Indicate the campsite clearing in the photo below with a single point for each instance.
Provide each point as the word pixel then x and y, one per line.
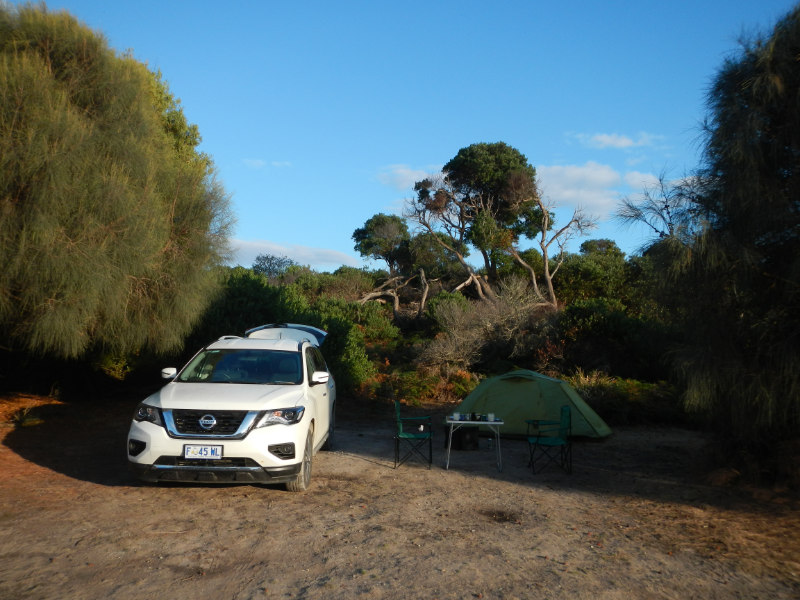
pixel 637 519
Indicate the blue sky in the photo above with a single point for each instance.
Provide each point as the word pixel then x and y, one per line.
pixel 319 115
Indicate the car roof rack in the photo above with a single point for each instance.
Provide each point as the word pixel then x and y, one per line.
pixel 288 330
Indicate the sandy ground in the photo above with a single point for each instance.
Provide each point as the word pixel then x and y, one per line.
pixel 636 519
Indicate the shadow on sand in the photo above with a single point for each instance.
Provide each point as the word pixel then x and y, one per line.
pixel 86 440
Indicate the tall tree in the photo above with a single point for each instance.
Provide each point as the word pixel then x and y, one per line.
pixel 495 185
pixel 409 258
pixel 272 266
pixel 669 209
pixel 741 270
pixel 598 271
pixel 112 221
pixel 429 254
pixel 384 237
pixel 487 196
pixel 447 221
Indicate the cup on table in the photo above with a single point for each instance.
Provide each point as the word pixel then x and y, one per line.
pixel 456 416
pixel 491 417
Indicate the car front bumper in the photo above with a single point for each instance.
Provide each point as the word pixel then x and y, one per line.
pixel 154 456
pixel 208 473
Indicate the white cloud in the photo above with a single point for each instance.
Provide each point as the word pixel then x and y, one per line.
pixel 319 259
pixel 596 188
pixel 258 163
pixel 616 141
pixel 592 186
pixel 640 181
pixel 403 177
pixel 610 140
pixel 254 163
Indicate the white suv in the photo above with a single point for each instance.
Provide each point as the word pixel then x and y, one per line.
pixel 244 409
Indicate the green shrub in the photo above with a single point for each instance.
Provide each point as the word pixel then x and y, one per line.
pixel 415 389
pixel 249 300
pixel 600 335
pixel 344 350
pixel 348 283
pixel 424 387
pixel 444 298
pixel 462 383
pixel 628 401
pixel 372 318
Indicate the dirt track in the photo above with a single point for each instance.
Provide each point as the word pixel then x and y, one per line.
pixel 635 520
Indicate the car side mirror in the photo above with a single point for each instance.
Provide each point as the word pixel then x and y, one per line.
pixel 169 373
pixel 320 377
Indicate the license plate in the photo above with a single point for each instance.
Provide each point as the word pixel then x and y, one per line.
pixel 206 452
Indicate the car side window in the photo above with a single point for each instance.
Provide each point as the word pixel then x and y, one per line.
pixel 320 360
pixel 311 365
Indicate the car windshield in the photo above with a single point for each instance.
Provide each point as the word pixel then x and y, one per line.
pixel 243 366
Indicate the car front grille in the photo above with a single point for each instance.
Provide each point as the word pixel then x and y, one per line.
pixel 227 421
pixel 179 461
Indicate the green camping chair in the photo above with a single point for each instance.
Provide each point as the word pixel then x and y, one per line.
pixel 549 441
pixel 413 433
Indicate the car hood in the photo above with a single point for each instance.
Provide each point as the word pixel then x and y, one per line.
pixel 225 396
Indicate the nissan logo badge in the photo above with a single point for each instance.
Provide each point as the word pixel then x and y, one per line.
pixel 207 421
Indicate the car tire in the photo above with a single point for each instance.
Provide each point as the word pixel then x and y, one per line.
pixel 329 443
pixel 303 479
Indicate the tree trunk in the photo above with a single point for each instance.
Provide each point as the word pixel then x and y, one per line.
pixel 531 272
pixel 482 288
pixel 425 289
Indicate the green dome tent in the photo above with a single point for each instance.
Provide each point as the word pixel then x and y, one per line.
pixel 520 395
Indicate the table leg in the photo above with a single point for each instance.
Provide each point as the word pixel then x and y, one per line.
pixel 449 444
pixel 497 443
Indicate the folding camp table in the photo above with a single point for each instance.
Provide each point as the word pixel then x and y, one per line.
pixel 494 427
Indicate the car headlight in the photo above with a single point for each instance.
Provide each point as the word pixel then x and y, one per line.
pixel 145 412
pixel 282 416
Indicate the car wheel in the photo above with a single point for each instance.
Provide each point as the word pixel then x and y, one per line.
pixel 303 479
pixel 328 445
